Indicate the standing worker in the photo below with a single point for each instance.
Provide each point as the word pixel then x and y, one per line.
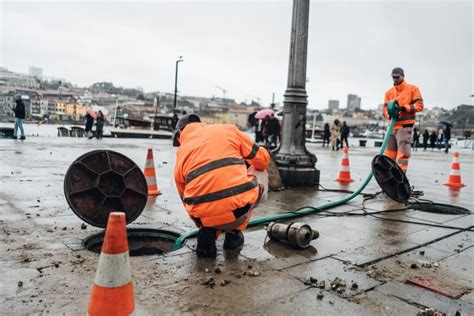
pixel 20 114
pixel 410 102
pixel 217 190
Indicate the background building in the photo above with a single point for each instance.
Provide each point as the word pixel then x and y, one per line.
pixel 333 105
pixel 353 102
pixel 16 79
pixel 35 72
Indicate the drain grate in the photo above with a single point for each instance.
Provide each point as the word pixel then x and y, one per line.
pixel 141 241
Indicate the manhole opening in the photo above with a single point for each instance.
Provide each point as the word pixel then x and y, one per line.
pixel 141 241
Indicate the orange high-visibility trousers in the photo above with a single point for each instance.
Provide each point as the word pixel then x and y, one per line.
pixel 399 146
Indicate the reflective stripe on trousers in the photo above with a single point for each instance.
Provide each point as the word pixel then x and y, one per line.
pixel 399 146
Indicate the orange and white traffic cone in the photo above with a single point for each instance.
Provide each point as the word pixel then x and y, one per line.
pixel 150 174
pixel 112 293
pixel 455 174
pixel 345 173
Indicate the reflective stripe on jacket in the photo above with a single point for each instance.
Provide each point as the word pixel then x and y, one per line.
pixel 211 174
pixel 408 97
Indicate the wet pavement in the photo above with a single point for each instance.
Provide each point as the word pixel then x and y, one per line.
pixel 46 270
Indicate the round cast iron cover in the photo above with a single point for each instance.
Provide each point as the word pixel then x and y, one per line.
pixel 104 181
pixel 391 178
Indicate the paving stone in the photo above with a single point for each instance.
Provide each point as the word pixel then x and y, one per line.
pixel 306 303
pixel 383 304
pixel 426 298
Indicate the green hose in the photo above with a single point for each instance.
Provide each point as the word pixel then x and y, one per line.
pixel 392 110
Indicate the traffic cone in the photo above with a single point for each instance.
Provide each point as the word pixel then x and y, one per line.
pixel 112 293
pixel 150 174
pixel 345 173
pixel 455 174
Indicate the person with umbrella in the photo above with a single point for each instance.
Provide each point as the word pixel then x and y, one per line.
pixel 263 126
pixel 90 117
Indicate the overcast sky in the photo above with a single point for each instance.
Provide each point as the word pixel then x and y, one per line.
pixel 244 46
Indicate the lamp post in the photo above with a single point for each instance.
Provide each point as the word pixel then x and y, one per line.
pixel 176 81
pixel 296 164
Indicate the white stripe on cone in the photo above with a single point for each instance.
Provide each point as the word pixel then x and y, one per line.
pixel 151 180
pixel 455 172
pixel 113 270
pixel 345 168
pixel 149 163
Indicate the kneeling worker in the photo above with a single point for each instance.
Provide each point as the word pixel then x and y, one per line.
pixel 211 175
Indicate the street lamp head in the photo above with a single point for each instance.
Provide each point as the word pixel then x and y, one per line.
pixel 180 59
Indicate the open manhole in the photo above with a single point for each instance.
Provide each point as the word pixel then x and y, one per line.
pixel 141 241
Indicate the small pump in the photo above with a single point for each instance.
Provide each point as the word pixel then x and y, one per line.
pixel 298 235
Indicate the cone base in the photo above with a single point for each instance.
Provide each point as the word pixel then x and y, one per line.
pixel 455 185
pixel 344 180
pixel 154 192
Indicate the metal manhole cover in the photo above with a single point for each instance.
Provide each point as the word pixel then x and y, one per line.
pixel 391 178
pixel 104 181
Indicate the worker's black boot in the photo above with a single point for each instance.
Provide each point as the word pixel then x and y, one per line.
pixel 233 239
pixel 206 243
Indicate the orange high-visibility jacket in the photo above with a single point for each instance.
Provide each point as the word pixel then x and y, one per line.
pixel 210 172
pixel 409 97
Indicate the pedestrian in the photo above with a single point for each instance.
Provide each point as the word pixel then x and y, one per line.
pixel 20 114
pixel 426 137
pixel 266 130
pixel 433 139
pixel 335 134
pixel 259 131
pixel 447 137
pixel 217 190
pixel 100 125
pixel 326 135
pixel 274 130
pixel 174 120
pixel 416 138
pixel 410 102
pixel 344 134
pixel 440 138
pixel 89 124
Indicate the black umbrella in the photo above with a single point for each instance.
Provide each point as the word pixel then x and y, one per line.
pixel 447 124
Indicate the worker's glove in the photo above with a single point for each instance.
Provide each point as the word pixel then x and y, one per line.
pixel 393 109
pixel 403 109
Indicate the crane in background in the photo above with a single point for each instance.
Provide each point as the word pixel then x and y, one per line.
pixel 224 91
